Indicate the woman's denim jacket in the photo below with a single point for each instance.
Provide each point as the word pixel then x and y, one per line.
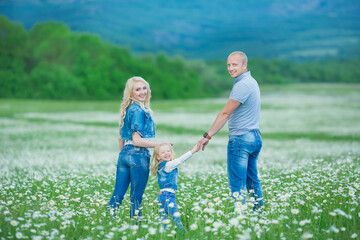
pixel 167 180
pixel 137 120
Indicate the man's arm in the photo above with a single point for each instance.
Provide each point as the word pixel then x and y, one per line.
pixel 220 121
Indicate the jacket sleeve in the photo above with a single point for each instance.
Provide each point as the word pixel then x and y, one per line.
pixel 171 165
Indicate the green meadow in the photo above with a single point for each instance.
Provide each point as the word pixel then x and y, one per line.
pixel 58 162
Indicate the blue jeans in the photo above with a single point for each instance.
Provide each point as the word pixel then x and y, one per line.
pixel 243 152
pixel 133 169
pixel 167 199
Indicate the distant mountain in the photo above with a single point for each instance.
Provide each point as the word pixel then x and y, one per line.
pixel 286 29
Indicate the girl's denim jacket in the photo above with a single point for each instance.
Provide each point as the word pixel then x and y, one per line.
pixel 137 120
pixel 167 180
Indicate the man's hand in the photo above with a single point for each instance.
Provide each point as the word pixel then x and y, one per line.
pixel 202 143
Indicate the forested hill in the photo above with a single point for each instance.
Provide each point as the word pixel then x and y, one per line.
pixel 203 29
pixel 51 62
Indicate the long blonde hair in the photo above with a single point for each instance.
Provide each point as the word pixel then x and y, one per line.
pixel 154 165
pixel 127 98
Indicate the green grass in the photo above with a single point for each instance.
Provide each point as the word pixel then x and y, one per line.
pixel 57 170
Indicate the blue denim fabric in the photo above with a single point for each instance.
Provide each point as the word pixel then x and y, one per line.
pixel 167 180
pixel 137 120
pixel 165 198
pixel 133 169
pixel 243 152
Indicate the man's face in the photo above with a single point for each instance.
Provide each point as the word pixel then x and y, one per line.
pixel 236 66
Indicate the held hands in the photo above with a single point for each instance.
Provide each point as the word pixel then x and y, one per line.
pixel 202 143
pixel 195 149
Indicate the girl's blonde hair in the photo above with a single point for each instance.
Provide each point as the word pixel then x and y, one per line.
pixel 154 165
pixel 127 98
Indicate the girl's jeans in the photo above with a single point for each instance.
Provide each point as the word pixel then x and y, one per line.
pixel 168 207
pixel 133 169
pixel 243 152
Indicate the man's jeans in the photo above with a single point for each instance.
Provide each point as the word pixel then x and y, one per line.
pixel 243 152
pixel 133 169
pixel 168 207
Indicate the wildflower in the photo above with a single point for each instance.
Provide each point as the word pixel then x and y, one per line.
pixel 193 226
pixel 207 229
pixel 135 227
pixel 295 211
pixel 177 214
pixel 238 210
pixel 19 235
pixel 234 221
pixel 14 223
pixel 352 193
pixel 306 235
pixel 171 205
pixel 334 229
pixel 86 228
pixel 196 208
pixel 354 235
pixel 303 222
pixel 152 231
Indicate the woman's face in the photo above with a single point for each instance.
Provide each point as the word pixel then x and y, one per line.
pixel 139 91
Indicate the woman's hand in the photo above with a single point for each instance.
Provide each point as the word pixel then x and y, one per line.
pixel 121 143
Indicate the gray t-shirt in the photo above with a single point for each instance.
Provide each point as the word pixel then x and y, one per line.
pixel 247 116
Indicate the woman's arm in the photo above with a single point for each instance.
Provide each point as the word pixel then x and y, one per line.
pixel 138 141
pixel 121 143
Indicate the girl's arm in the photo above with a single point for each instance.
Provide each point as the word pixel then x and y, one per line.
pixel 171 165
pixel 121 143
pixel 138 141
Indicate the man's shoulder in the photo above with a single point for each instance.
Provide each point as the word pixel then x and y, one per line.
pixel 248 81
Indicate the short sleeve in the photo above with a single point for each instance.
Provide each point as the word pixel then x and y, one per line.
pixel 240 92
pixel 138 122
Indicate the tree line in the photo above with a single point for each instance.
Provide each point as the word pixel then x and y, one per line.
pixel 51 62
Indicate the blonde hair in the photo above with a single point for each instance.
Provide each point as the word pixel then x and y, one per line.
pixel 154 165
pixel 127 98
pixel 241 54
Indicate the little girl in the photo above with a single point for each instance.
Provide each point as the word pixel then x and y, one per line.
pixel 165 166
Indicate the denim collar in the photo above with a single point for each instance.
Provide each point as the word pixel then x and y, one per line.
pixel 241 76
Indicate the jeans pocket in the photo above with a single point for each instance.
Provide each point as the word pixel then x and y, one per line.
pixel 230 146
pixel 137 159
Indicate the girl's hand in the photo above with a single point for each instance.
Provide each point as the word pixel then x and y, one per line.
pixel 195 149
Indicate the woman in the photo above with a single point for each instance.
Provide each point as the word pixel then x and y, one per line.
pixel 137 127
